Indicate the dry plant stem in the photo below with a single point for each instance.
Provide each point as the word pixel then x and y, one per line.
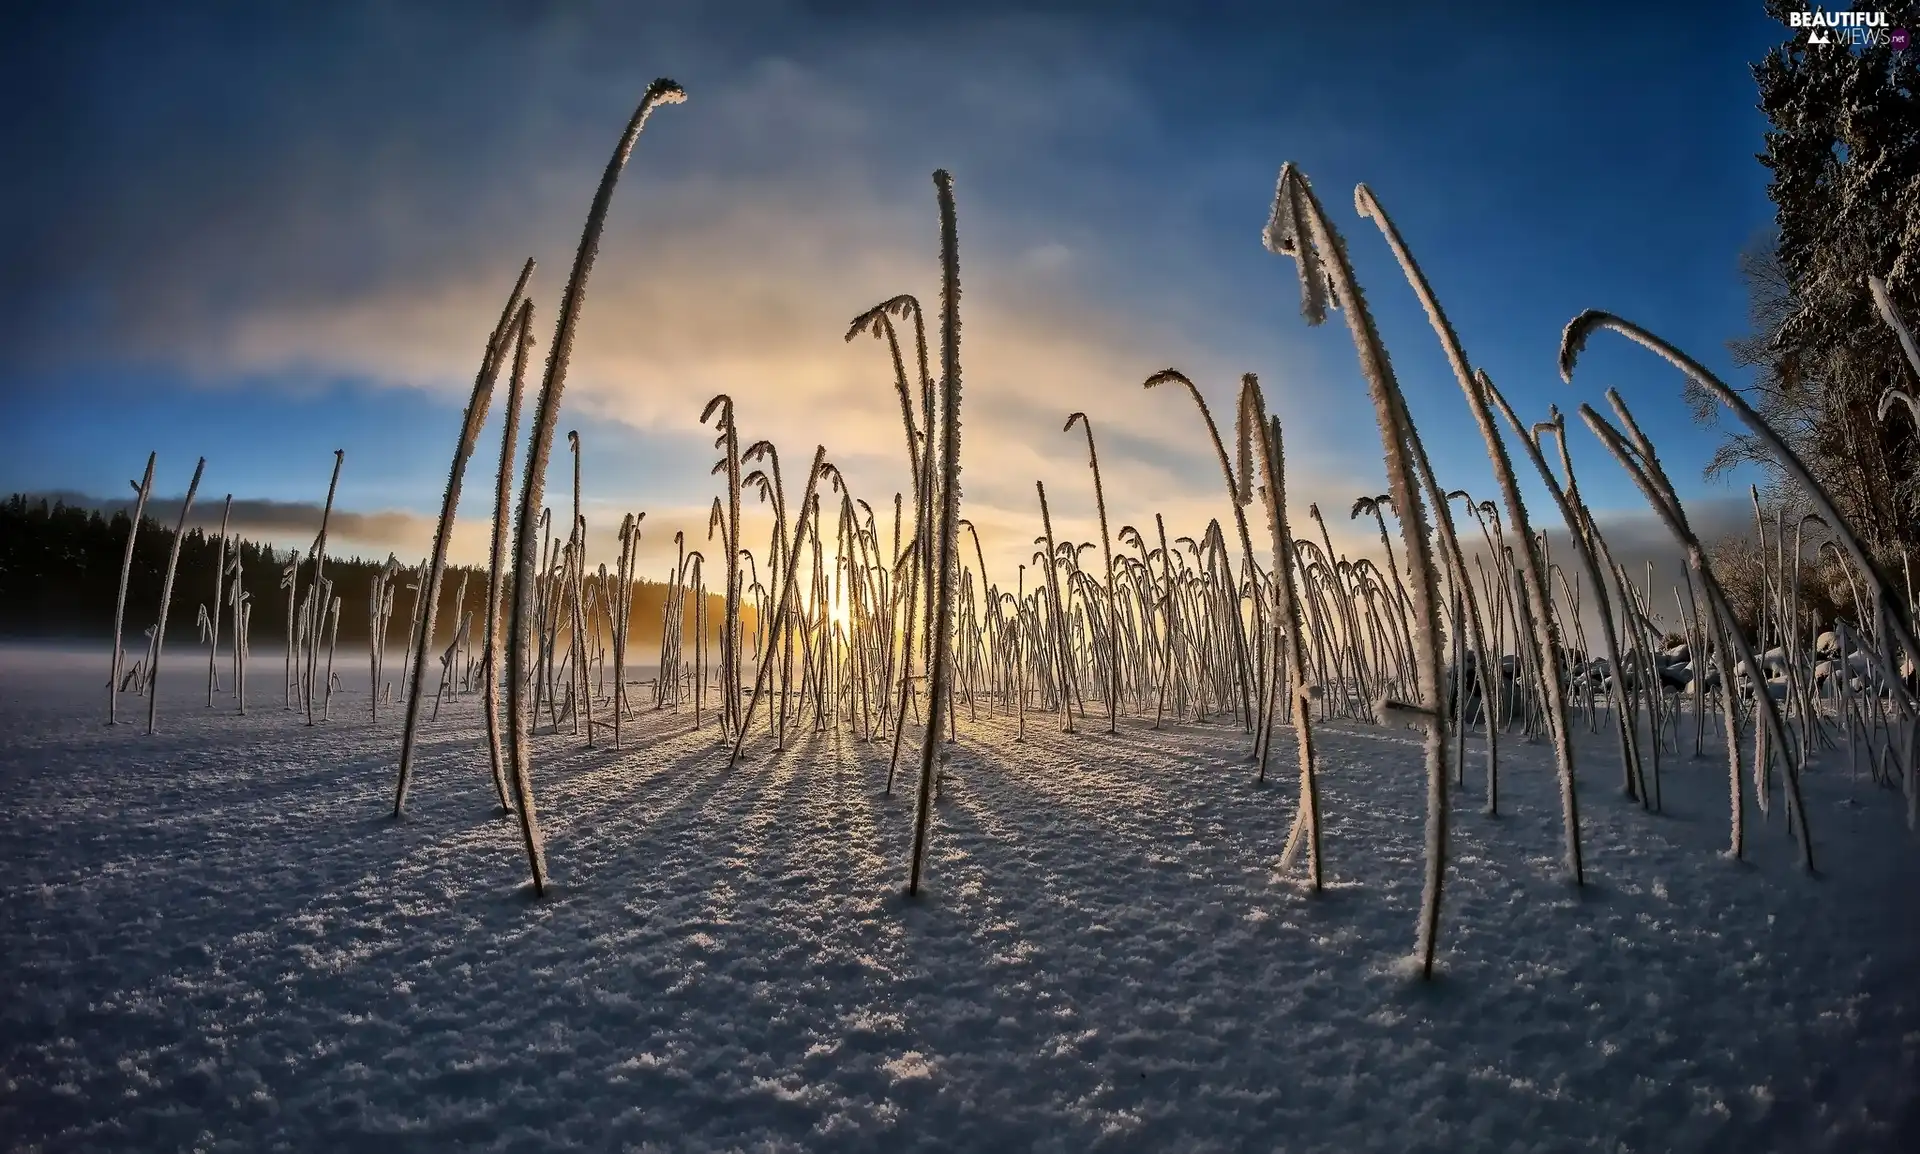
pixel 476 416
pixel 145 489
pixel 1546 652
pixel 1106 547
pixel 941 620
pixel 497 550
pixel 781 619
pixel 166 597
pixel 1899 617
pixel 1173 376
pixel 1644 468
pixel 546 416
pixel 333 639
pixel 1059 618
pixel 1583 548
pixel 1286 612
pixel 1298 228
pixel 319 573
pixel 219 587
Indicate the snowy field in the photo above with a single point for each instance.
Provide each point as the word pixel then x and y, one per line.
pixel 215 939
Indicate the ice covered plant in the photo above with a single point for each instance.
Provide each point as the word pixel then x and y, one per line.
pixel 237 597
pixel 166 598
pixel 476 416
pixel 720 410
pixel 1884 302
pixel 940 621
pixel 1546 653
pixel 1106 548
pixel 1288 640
pixel 522 337
pixel 622 609
pixel 1582 327
pixel 1173 376
pixel 782 616
pixel 333 638
pixel 1055 636
pixel 145 489
pixel 1638 459
pixel 212 618
pixel 532 490
pixel 316 602
pixel 1298 228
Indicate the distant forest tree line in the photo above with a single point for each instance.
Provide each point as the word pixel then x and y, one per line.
pixel 60 573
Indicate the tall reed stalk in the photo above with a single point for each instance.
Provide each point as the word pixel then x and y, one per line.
pixel 166 598
pixel 145 489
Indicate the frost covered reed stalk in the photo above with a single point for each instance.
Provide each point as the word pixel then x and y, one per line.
pixel 166 598
pixel 1587 544
pixel 577 580
pixel 546 417
pixel 522 337
pixel 1106 550
pixel 1288 641
pixel 1573 341
pixel 782 610
pixel 1644 468
pixel 333 639
pixel 1246 677
pixel 317 606
pixel 1298 228
pixel 940 621
pixel 1057 637
pixel 145 489
pixel 238 597
pixel 1546 654
pixel 213 618
pixel 475 416
pixel 728 442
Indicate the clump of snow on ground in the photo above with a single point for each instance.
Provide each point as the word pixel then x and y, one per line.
pixel 216 939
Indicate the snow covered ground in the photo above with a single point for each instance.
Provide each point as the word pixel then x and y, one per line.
pixel 215 939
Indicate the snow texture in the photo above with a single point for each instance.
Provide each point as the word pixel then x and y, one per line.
pixel 216 939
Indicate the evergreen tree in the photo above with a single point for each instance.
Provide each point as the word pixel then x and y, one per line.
pixel 1843 151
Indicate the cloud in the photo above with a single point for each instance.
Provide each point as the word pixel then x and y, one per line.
pixel 281 247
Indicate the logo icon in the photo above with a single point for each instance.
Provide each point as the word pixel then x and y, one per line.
pixel 1898 39
pixel 1819 36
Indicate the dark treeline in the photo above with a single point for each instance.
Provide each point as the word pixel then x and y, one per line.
pixel 60 572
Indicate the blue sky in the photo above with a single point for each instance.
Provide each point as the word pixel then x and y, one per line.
pixel 261 236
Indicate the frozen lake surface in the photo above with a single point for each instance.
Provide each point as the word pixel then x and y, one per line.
pixel 216 939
